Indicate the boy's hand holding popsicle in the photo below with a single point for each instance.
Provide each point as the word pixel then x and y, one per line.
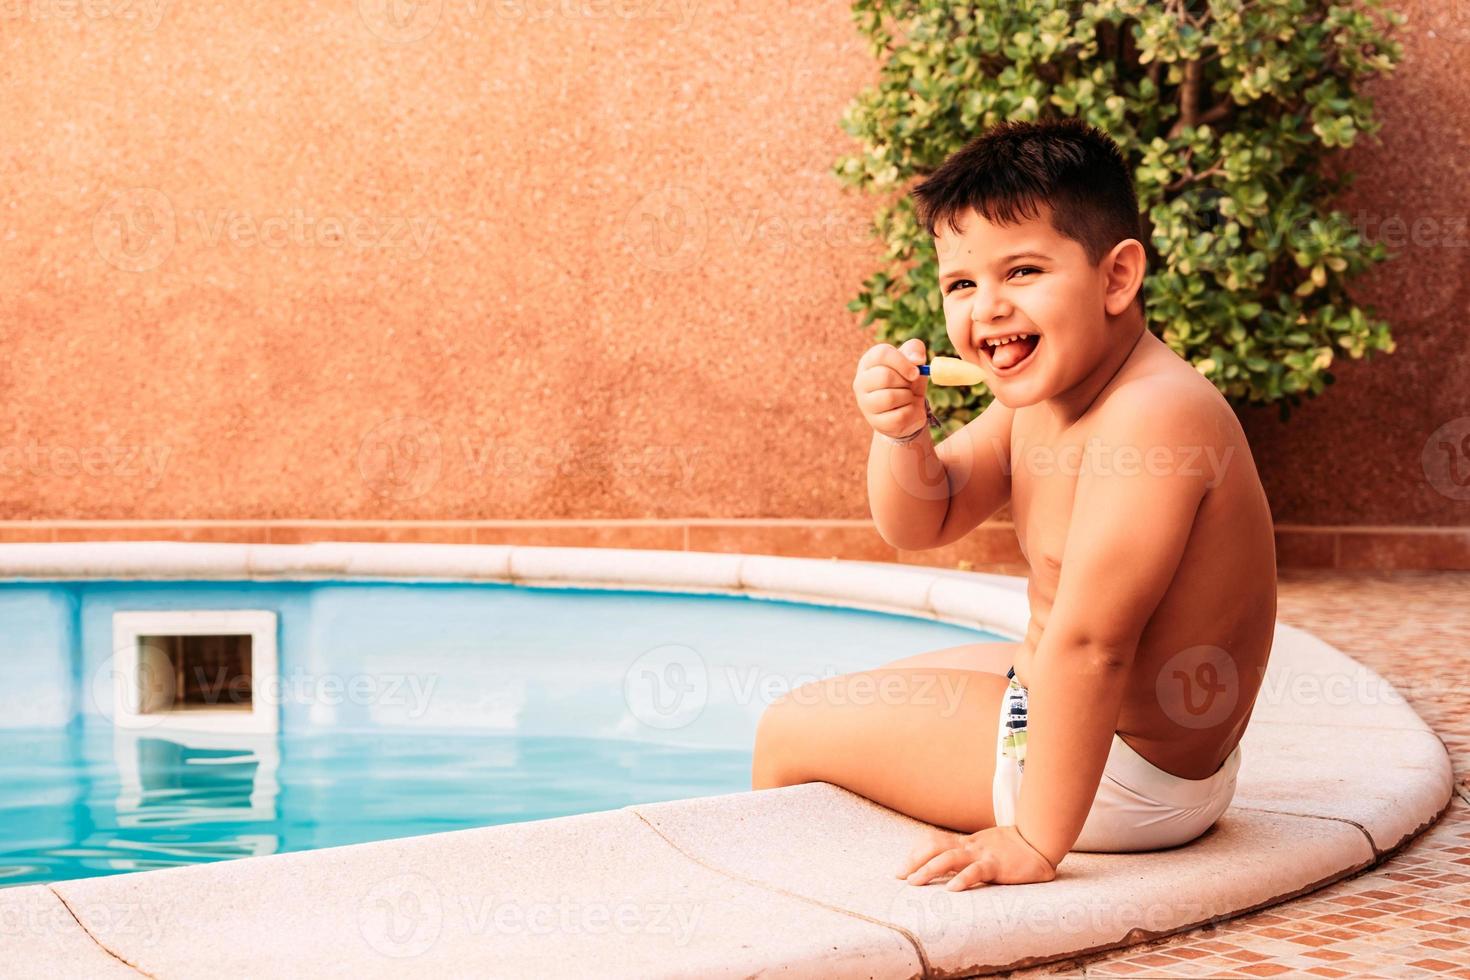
pixel 891 383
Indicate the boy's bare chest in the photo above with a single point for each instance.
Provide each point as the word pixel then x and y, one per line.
pixel 1043 486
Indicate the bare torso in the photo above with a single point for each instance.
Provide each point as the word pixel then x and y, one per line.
pixel 1183 710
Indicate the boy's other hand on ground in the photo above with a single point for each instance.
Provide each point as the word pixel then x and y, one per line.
pixel 996 855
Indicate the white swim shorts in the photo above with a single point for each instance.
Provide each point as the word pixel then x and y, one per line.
pixel 1138 806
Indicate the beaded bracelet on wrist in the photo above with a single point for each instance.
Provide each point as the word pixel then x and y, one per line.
pixel 929 421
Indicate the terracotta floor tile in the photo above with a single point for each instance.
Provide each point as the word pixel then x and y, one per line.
pixel 1326 971
pixel 1440 928
pixel 1444 944
pixel 1312 940
pixel 1327 954
pixel 1336 918
pixel 1367 913
pixel 1378 894
pixel 1189 952
pixel 1438 966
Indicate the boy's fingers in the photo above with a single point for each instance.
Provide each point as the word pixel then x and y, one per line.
pixel 883 376
pixel 967 877
pixel 934 843
pixel 921 852
pixel 886 355
pixel 913 349
pixel 951 860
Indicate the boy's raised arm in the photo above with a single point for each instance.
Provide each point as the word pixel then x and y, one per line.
pixel 922 496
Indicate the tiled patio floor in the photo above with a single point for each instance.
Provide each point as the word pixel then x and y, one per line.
pixel 1410 916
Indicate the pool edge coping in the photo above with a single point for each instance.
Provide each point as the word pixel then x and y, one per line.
pixel 995 603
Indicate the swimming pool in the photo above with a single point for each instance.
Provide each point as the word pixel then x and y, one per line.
pixel 404 709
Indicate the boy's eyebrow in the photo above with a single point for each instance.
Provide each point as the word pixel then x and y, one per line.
pixel 1001 261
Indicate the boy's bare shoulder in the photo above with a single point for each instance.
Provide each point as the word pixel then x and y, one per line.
pixel 1167 399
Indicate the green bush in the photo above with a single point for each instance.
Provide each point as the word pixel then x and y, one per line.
pixel 1229 112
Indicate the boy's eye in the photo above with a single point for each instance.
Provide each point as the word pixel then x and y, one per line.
pixel 958 282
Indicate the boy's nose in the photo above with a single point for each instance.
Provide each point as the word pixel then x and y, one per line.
pixel 988 306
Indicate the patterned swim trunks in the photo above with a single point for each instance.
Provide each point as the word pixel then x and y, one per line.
pixel 1010 751
pixel 1137 806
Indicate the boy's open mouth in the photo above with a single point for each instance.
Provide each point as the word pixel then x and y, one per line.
pixel 1007 353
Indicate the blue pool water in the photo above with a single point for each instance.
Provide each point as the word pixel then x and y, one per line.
pixel 404 709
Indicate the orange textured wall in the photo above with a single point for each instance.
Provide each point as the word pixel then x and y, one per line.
pixel 474 259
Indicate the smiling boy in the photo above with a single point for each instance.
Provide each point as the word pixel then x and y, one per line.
pixel 1114 724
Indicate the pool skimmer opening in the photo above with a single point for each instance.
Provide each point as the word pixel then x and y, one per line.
pixel 195 670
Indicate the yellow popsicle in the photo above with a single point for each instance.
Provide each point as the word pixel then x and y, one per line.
pixel 952 371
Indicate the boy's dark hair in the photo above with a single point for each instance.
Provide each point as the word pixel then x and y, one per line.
pixel 1011 168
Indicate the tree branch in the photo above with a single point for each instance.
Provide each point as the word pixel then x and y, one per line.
pixel 1190 177
pixel 1216 112
pixel 1194 74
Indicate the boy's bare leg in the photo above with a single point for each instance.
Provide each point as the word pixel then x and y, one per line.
pixel 919 740
pixel 994 658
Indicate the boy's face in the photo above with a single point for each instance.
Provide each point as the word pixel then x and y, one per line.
pixel 1026 278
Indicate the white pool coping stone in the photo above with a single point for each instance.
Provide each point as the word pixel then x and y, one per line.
pixel 1336 772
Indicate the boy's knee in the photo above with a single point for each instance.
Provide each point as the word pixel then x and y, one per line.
pixel 773 762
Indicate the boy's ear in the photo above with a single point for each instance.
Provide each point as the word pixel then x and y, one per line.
pixel 1124 268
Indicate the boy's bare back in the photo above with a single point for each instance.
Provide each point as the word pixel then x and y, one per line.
pixel 1200 658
